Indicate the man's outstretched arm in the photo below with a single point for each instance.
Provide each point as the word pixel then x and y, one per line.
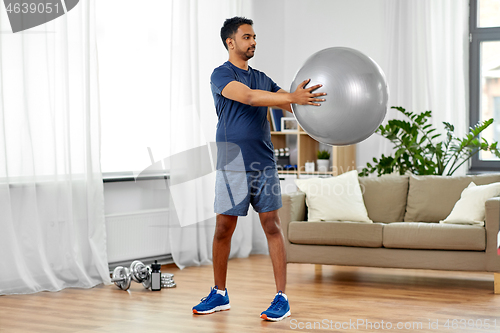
pixel 239 92
pixel 287 106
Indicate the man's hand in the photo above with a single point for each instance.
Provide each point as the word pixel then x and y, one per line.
pixel 305 96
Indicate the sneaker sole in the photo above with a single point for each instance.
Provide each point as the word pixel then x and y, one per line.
pixel 265 317
pixel 216 309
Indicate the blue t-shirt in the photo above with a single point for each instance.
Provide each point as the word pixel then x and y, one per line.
pixel 241 124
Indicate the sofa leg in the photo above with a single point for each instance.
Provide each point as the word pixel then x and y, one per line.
pixel 497 283
pixel 318 269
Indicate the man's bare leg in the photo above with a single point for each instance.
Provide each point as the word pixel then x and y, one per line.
pixel 224 228
pixel 271 224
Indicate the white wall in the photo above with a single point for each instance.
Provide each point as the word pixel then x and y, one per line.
pixel 131 196
pixel 289 31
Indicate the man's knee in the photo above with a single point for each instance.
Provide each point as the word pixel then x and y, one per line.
pixel 225 226
pixel 271 225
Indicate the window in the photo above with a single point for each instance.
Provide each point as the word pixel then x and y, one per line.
pixel 485 75
pixel 134 58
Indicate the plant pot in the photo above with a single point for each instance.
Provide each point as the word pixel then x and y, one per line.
pixel 323 165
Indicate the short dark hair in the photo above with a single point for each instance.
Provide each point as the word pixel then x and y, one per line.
pixel 230 27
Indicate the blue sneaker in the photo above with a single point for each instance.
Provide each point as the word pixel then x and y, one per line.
pixel 212 303
pixel 278 310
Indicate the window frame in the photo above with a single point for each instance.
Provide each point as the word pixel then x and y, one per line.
pixel 476 36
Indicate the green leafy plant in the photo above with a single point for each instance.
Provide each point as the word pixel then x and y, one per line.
pixel 323 155
pixel 418 149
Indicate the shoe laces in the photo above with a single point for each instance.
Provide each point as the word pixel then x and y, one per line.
pixel 277 302
pixel 213 292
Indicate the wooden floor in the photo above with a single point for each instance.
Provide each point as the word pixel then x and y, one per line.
pixel 332 296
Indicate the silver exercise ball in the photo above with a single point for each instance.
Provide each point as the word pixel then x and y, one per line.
pixel 356 100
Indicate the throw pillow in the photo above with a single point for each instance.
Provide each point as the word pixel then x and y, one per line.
pixel 334 199
pixel 469 209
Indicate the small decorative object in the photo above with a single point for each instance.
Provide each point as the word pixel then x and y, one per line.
pixel 289 124
pixel 156 276
pixel 323 160
pixel 309 166
pixel 283 157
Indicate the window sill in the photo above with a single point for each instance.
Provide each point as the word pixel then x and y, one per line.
pixel 113 177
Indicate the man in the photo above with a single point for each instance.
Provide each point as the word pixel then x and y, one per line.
pixel 242 95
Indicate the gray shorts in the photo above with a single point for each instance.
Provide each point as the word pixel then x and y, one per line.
pixel 236 190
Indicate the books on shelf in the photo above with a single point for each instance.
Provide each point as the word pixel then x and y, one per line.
pixel 276 115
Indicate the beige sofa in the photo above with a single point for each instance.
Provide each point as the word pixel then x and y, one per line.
pixel 405 233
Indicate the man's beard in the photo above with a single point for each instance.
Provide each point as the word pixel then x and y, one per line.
pixel 249 54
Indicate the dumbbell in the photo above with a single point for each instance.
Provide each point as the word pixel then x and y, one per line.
pixel 139 271
pixel 122 277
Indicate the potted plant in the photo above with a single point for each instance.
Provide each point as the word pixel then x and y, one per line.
pixel 419 151
pixel 323 160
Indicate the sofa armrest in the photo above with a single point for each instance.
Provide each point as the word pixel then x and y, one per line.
pixel 492 224
pixel 294 209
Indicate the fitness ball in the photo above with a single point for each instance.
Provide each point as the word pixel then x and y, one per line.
pixel 356 100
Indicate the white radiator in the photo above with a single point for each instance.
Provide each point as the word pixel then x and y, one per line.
pixel 137 235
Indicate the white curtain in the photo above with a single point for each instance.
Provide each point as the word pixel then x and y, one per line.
pixel 52 230
pixel 427 63
pixel 196 51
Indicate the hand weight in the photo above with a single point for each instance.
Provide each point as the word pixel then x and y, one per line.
pixel 122 277
pixel 140 273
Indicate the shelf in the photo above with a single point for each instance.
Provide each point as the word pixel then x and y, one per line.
pixel 284 133
pixel 288 132
pixel 302 173
pixel 317 173
pixel 287 172
pixel 343 158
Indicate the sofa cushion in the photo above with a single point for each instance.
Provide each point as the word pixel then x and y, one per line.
pixel 334 199
pixel 431 198
pixel 336 233
pixel 434 236
pixel 385 197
